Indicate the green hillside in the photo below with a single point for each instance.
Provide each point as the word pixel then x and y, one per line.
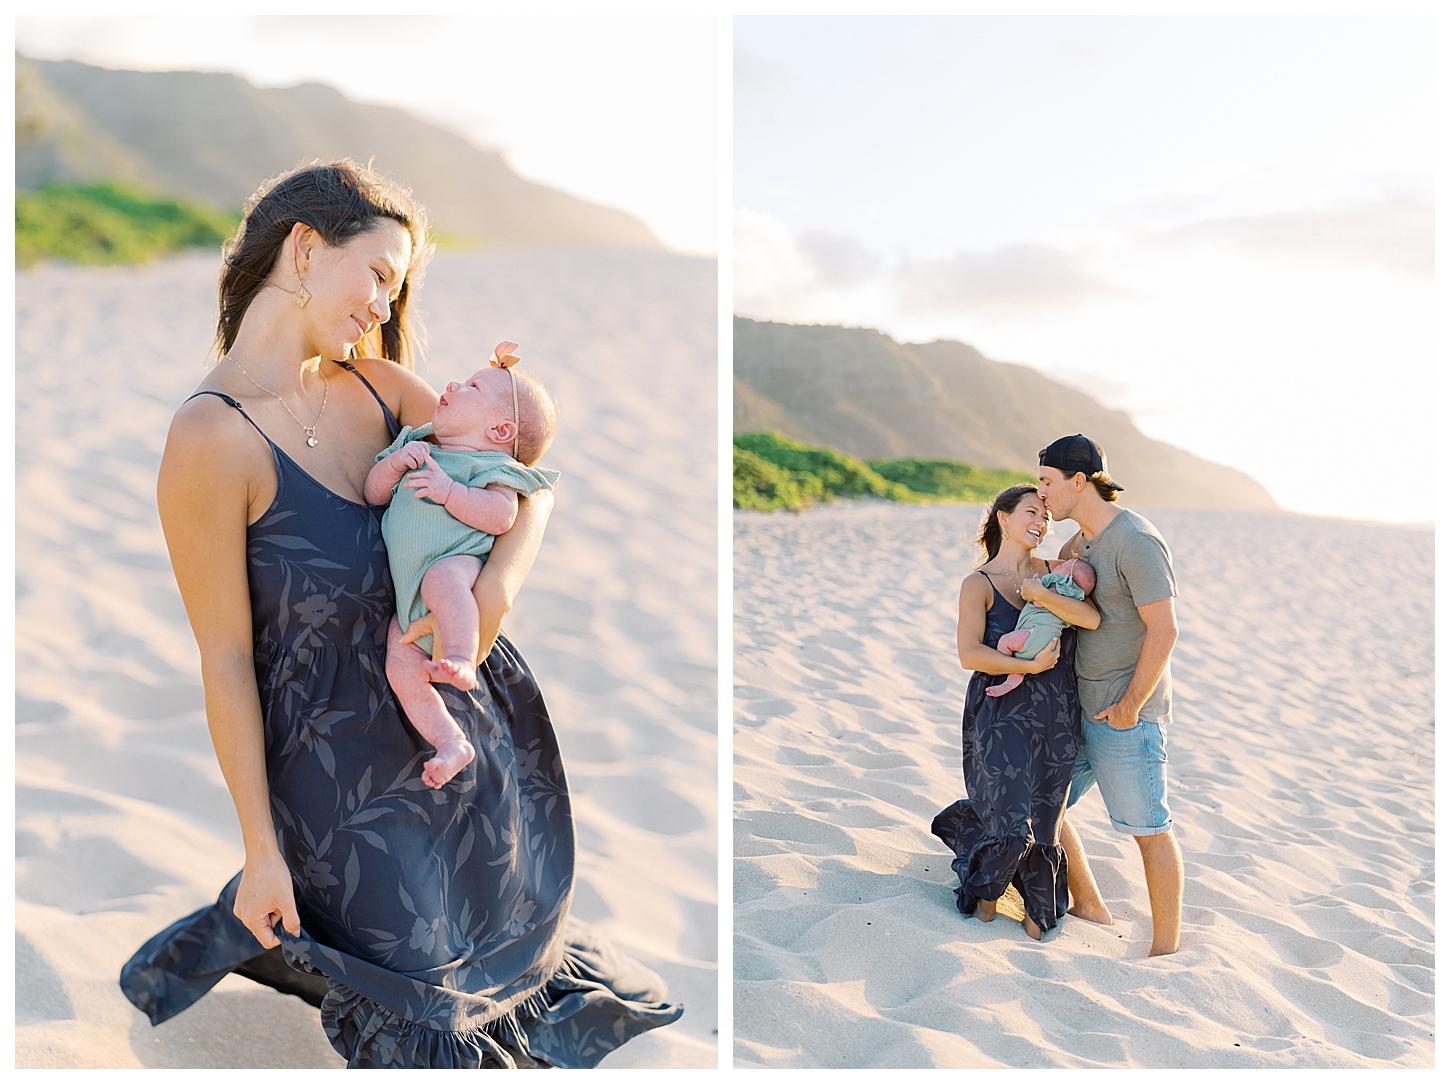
pixel 110 224
pixel 774 472
pixel 948 480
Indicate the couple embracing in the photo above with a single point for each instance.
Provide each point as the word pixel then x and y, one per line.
pixel 1084 641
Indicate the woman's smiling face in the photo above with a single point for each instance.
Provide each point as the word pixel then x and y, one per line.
pixel 353 286
pixel 1027 523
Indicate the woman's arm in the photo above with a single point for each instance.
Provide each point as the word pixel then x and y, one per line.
pixel 1074 611
pixel 204 496
pixel 972 606
pixel 508 566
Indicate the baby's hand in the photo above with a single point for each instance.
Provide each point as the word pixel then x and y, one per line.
pixel 1031 589
pixel 410 456
pixel 431 481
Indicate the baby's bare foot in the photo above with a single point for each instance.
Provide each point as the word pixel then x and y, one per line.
pixel 460 673
pixel 450 759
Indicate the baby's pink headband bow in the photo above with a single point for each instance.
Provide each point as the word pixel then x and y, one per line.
pixel 505 358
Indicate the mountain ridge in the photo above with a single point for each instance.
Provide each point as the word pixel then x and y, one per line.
pixel 861 391
pixel 214 137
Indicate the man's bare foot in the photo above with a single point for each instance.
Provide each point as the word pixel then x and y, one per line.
pixel 1098 914
pixel 1034 931
pixel 460 673
pixel 986 910
pixel 451 759
pixel 1165 950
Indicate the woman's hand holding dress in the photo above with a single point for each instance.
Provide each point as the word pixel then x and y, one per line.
pixel 265 897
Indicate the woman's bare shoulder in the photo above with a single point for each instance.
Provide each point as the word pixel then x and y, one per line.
pixel 207 431
pixel 976 586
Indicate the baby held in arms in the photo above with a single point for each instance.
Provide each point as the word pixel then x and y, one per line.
pixel 1038 626
pixel 487 433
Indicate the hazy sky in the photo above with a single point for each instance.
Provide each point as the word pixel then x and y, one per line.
pixel 616 106
pixel 1222 224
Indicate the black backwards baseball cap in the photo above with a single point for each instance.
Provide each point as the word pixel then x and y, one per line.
pixel 1076 453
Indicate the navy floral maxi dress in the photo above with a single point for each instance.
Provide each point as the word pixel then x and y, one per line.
pixel 1017 756
pixel 435 924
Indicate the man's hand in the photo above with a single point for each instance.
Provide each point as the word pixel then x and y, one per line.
pixel 1119 716
pixel 431 481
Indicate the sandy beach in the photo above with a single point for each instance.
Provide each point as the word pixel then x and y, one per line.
pixel 124 823
pixel 1301 781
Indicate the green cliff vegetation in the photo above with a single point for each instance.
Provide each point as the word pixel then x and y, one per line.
pixel 774 472
pixel 110 224
pixel 948 480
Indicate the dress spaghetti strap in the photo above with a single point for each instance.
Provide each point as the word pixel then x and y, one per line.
pixel 393 427
pixel 232 402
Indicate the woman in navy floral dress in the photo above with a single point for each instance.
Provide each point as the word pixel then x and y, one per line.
pixel 1017 749
pixel 432 927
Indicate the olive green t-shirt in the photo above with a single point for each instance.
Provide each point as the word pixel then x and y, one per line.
pixel 1134 568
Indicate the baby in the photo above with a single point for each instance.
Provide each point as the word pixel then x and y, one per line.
pixel 489 431
pixel 1037 625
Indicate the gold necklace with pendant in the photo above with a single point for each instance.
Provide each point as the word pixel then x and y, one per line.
pixel 310 430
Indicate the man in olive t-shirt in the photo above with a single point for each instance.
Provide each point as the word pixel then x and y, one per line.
pixel 1124 685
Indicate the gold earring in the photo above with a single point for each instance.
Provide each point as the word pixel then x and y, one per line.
pixel 301 296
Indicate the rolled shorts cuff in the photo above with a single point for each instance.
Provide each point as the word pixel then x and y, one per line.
pixel 1130 769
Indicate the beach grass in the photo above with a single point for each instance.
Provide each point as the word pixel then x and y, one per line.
pixel 774 472
pixel 948 480
pixel 111 224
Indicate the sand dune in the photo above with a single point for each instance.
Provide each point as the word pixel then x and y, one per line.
pixel 123 821
pixel 1301 781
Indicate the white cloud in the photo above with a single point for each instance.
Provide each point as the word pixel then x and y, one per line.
pixel 838 261
pixel 772 276
pixel 806 276
pixel 1012 280
pixel 1395 234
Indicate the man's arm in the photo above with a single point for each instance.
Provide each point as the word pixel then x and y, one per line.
pixel 1074 611
pixel 1153 656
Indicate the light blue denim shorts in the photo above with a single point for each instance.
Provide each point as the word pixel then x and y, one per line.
pixel 1130 767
